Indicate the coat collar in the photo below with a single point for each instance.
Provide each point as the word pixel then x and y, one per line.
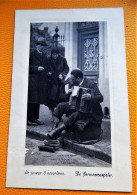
pixel 84 83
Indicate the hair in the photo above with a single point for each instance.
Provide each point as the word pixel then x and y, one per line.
pixel 38 43
pixel 77 73
pixel 55 50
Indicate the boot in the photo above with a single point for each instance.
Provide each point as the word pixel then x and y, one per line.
pixel 54 132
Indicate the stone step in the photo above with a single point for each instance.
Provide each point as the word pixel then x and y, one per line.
pixel 100 150
pixel 90 150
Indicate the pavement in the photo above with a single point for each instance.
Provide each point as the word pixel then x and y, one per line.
pixel 61 157
pixel 100 150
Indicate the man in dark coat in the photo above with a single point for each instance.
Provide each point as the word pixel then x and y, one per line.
pixel 57 72
pixel 80 122
pixel 37 89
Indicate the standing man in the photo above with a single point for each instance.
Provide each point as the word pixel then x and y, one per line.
pixel 37 89
pixel 57 72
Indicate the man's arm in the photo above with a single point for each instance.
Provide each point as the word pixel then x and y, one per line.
pixel 95 96
pixel 33 68
pixel 98 98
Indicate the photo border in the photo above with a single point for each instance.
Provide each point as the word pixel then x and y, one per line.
pixel 120 132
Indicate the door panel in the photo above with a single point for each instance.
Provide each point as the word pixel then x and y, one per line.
pixel 88 50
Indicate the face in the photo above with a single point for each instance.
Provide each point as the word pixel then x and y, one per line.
pixel 74 81
pixel 55 56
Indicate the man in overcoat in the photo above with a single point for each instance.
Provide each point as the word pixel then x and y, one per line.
pixel 37 89
pixel 57 72
pixel 82 125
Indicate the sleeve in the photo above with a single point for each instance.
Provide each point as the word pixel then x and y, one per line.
pixel 51 74
pixel 97 98
pixel 32 67
pixel 66 68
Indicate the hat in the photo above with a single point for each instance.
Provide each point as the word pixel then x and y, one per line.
pixel 41 41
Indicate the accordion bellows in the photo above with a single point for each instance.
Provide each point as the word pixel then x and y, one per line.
pixel 76 101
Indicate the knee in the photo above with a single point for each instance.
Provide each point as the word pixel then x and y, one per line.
pixel 76 115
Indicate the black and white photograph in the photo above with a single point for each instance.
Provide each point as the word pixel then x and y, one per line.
pixel 68 113
pixel 69 117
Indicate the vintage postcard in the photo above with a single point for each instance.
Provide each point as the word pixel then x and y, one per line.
pixel 69 120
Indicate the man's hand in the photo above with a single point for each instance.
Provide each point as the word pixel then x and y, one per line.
pixel 70 91
pixel 60 77
pixel 40 68
pixel 86 97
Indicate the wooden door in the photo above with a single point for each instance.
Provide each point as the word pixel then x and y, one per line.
pixel 88 49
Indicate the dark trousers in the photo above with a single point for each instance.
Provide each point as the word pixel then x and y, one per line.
pixel 73 115
pixel 76 123
pixel 33 111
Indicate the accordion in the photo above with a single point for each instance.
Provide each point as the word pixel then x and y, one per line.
pixel 76 101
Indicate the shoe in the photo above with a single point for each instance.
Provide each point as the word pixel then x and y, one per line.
pixel 38 122
pixel 47 137
pixel 53 134
pixel 46 148
pixel 31 123
pixel 46 142
pixel 56 131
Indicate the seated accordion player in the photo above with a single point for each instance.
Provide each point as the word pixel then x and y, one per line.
pixel 76 102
